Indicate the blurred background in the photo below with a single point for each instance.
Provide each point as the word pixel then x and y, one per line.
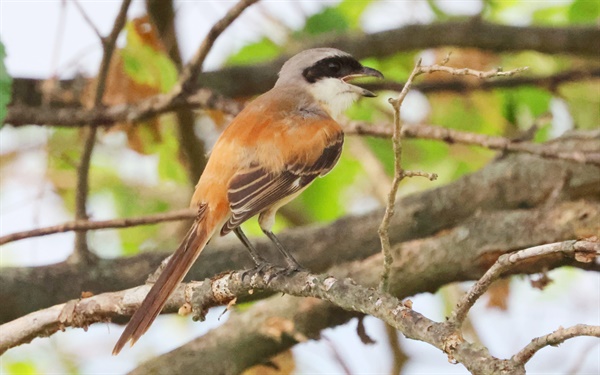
pixel 138 170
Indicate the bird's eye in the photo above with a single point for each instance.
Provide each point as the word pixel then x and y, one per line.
pixel 334 66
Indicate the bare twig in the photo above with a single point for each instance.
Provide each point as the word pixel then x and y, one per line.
pixel 399 172
pixel 552 339
pixel 550 82
pixel 82 225
pixel 81 251
pixel 451 136
pixel 584 250
pixel 88 20
pixel 497 72
pixel 189 75
pixel 398 176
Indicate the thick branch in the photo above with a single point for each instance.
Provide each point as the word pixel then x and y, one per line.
pixel 247 81
pixel 19 115
pixel 419 265
pixel 502 185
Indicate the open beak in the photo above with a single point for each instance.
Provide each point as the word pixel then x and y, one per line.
pixel 365 72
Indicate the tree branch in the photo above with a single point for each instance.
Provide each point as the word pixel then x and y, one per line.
pixel 553 339
pixel 191 148
pixel 399 172
pixel 589 155
pixel 82 225
pixel 420 265
pixel 246 81
pixel 550 82
pixel 221 290
pixel 585 250
pixel 81 252
pixel 502 185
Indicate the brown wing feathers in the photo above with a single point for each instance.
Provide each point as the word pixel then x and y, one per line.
pixel 175 270
pixel 255 189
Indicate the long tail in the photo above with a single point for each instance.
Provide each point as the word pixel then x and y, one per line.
pixel 176 269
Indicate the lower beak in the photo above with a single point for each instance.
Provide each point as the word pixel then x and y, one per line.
pixel 365 72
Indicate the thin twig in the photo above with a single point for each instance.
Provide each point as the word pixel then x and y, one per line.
pixel 383 230
pixel 552 339
pixel 399 172
pixel 497 72
pixel 88 20
pixel 189 75
pixel 81 251
pixel 550 82
pixel 83 225
pixel 584 250
pixel 450 136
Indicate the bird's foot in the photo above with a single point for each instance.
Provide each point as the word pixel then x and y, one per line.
pixel 261 269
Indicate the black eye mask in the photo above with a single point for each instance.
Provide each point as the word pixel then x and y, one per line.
pixel 332 67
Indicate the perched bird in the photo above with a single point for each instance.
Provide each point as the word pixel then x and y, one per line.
pixel 267 156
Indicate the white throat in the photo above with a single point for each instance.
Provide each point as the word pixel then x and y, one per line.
pixel 334 95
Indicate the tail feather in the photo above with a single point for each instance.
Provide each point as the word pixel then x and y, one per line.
pixel 173 273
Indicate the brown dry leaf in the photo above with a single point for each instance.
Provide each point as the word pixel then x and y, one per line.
pixel 86 294
pixel 148 33
pixel 542 282
pixel 122 89
pixel 585 257
pixel 498 293
pixel 281 364
pixel 220 118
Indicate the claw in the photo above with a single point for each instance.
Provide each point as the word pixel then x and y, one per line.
pixel 259 269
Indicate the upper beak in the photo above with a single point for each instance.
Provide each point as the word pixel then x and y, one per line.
pixel 365 72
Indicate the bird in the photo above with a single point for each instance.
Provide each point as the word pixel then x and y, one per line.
pixel 270 152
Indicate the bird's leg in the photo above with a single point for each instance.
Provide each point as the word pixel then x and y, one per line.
pixel 259 261
pixel 293 265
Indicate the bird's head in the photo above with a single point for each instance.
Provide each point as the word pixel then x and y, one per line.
pixel 326 74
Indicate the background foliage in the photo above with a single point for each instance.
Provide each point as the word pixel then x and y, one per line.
pixel 138 169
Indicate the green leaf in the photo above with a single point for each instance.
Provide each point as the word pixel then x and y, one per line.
pixel 353 10
pixel 5 86
pixel 556 15
pixel 169 166
pixel 396 67
pixel 329 20
pixel 584 103
pixel 21 368
pixel 145 65
pixel 383 150
pixel 323 200
pixel 439 13
pixel 523 105
pixel 584 12
pixel 263 50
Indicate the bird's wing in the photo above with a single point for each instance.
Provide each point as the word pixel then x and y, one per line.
pixel 255 189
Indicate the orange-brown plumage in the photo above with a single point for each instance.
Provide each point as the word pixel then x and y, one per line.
pixel 268 155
